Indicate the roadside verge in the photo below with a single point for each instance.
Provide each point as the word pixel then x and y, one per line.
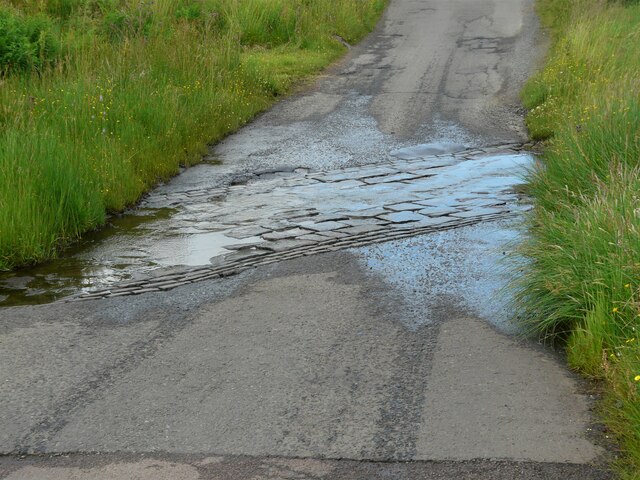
pixel 582 274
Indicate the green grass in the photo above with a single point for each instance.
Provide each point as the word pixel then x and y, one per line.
pixel 102 99
pixel 581 283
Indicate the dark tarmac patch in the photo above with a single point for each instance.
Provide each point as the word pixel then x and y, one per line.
pixel 199 467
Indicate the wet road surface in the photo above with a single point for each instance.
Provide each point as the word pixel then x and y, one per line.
pixel 323 298
pixel 284 212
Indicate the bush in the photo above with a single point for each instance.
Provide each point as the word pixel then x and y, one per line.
pixel 26 43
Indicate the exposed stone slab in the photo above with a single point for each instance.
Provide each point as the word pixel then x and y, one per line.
pixel 362 229
pixel 401 207
pixel 246 232
pixel 314 237
pixel 438 211
pixel 242 246
pixel 476 212
pixel 390 178
pixel 333 234
pixel 356 222
pixel 293 233
pixel 365 213
pixel 284 245
pixel 323 226
pixel 402 217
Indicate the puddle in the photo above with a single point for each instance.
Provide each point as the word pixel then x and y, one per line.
pixel 76 272
pixel 196 249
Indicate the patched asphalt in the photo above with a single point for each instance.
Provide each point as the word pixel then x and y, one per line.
pixel 371 338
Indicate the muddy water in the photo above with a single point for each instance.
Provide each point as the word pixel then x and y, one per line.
pixel 178 226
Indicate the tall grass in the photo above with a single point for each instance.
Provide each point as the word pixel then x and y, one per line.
pixel 128 91
pixel 582 280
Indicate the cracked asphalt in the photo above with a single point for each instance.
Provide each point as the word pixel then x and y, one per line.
pixel 391 356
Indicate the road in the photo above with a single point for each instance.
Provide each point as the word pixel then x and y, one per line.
pixel 365 335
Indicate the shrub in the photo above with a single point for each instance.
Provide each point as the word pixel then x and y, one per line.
pixel 26 42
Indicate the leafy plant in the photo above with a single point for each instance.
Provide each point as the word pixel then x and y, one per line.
pixel 26 43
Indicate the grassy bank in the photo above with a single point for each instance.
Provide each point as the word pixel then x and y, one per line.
pixel 101 99
pixel 583 278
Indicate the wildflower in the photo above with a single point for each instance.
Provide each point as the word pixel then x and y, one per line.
pixel 628 285
pixel 637 378
pixel 615 310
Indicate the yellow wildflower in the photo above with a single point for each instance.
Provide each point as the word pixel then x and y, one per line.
pixel 637 378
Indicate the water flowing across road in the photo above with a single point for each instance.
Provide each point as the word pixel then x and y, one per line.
pixel 428 187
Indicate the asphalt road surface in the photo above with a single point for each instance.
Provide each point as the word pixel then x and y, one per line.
pixel 377 360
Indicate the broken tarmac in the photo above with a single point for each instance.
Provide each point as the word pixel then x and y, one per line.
pixel 388 357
